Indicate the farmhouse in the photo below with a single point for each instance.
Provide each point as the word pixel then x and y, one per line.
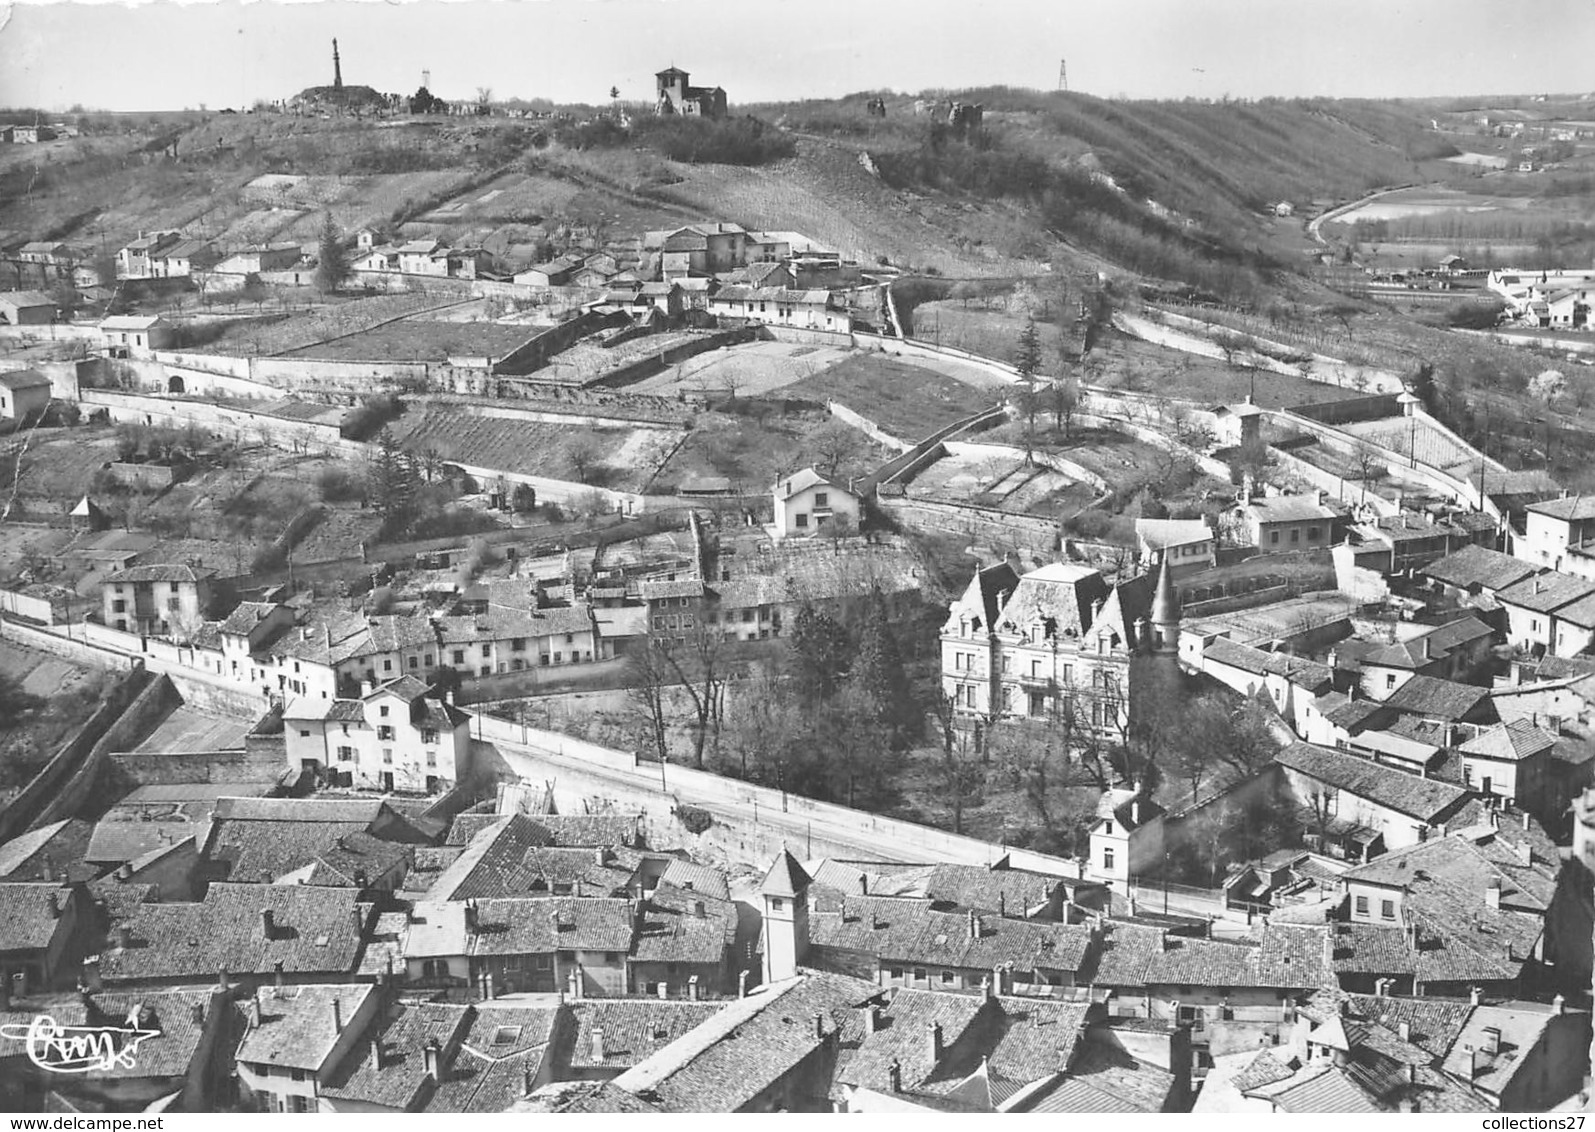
pixel 26 308
pixel 135 336
pixel 23 393
pixel 182 259
pixel 807 502
pixel 777 306
pixel 1281 523
pixel 1187 542
pixel 157 600
pixel 137 259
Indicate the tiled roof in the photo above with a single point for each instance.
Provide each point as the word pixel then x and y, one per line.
pixel 617 1033
pixel 395 1078
pixel 297 1025
pixel 1060 596
pixel 1303 673
pixel 25 856
pixel 590 1097
pixel 24 379
pixel 314 933
pixel 1422 798
pixel 786 877
pixel 169 1013
pixel 512 858
pixel 522 926
pixel 161 572
pixel 1106 1080
pixel 1545 593
pixel 907 931
pixel 1124 955
pixel 693 877
pixel 1479 566
pixel 266 851
pixel 1039 1037
pixel 1317 1088
pixel 745 1048
pixel 900 1037
pixel 1433 1023
pixel 504 1048
pixel 1289 509
pixel 674 931
pixel 1510 742
pixel 1440 699
pixel 1159 534
pixel 1522 1025
pixel 1573 507
pixel 1371 949
pixel 1013 892
pixel 31 920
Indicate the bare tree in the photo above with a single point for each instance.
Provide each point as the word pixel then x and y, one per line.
pixel 647 677
pixel 1368 466
pixel 837 449
pixel 584 456
pixel 700 673
pixel 1065 397
pixel 959 772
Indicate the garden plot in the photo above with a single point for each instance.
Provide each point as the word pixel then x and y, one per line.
pixel 1008 484
pixel 753 369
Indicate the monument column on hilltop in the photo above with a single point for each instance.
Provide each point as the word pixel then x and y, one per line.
pixel 337 68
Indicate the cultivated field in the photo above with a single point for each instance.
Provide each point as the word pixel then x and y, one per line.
pixel 422 340
pixel 752 369
pixel 754 451
pixel 908 401
pixel 296 331
pixel 1007 484
pixel 623 459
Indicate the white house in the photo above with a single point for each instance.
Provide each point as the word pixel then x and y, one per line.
pixel 396 737
pixel 295 1037
pixel 805 502
pixel 1188 543
pixel 1554 528
pixel 135 336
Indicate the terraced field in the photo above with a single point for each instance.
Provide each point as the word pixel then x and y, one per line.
pixel 907 401
pixel 752 369
pixel 624 458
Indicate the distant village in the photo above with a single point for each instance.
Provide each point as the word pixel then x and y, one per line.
pixel 312 843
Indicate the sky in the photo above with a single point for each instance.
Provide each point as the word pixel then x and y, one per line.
pixel 159 54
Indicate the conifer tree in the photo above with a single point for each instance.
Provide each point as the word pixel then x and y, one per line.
pixel 333 266
pixel 877 671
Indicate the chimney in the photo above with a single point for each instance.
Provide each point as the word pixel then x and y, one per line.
pixel 124 936
pixel 692 989
pixel 124 872
pixel 1492 1041
pixel 433 1054
pixel 1404 1030
pixel 1002 904
pixel 487 983
pixel 1492 893
pixel 1525 851
pixel 985 990
pixel 1558 1004
pixel 276 974
pixel 1473 996
pixel 698 909
pixel 268 923
pixel 196 1013
pixel 664 990
pixel 470 917
pixel 933 1033
pixel 378 1058
pixel 872 1018
pixel 819 1025
pixel 1135 812
pixel 57 898
pixel 863 884
pixel 337 1016
pixel 598 1044
pixel 742 983
pixel 91 972
pixel 974 925
pixel 254 1010
pixel 223 983
pixel 894 1074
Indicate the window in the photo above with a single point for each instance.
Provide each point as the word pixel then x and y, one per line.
pixel 303 734
pixel 413 662
pixel 919 974
pixel 174 603
pixel 1295 534
pixel 174 587
pixel 345 754
pixel 487 648
pixel 897 972
pixel 119 606
pixel 385 732
pixel 459 656
pixel 387 665
pixel 298 1074
pixel 1387 909
pixel 800 521
pixel 387 756
pixel 518 644
pixel 947 978
pixel 1312 533
pixel 431 758
pixel 383 711
pixel 822 499
pixel 1362 905
pixel 1107 859
pixel 1390 681
pixel 1273 536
